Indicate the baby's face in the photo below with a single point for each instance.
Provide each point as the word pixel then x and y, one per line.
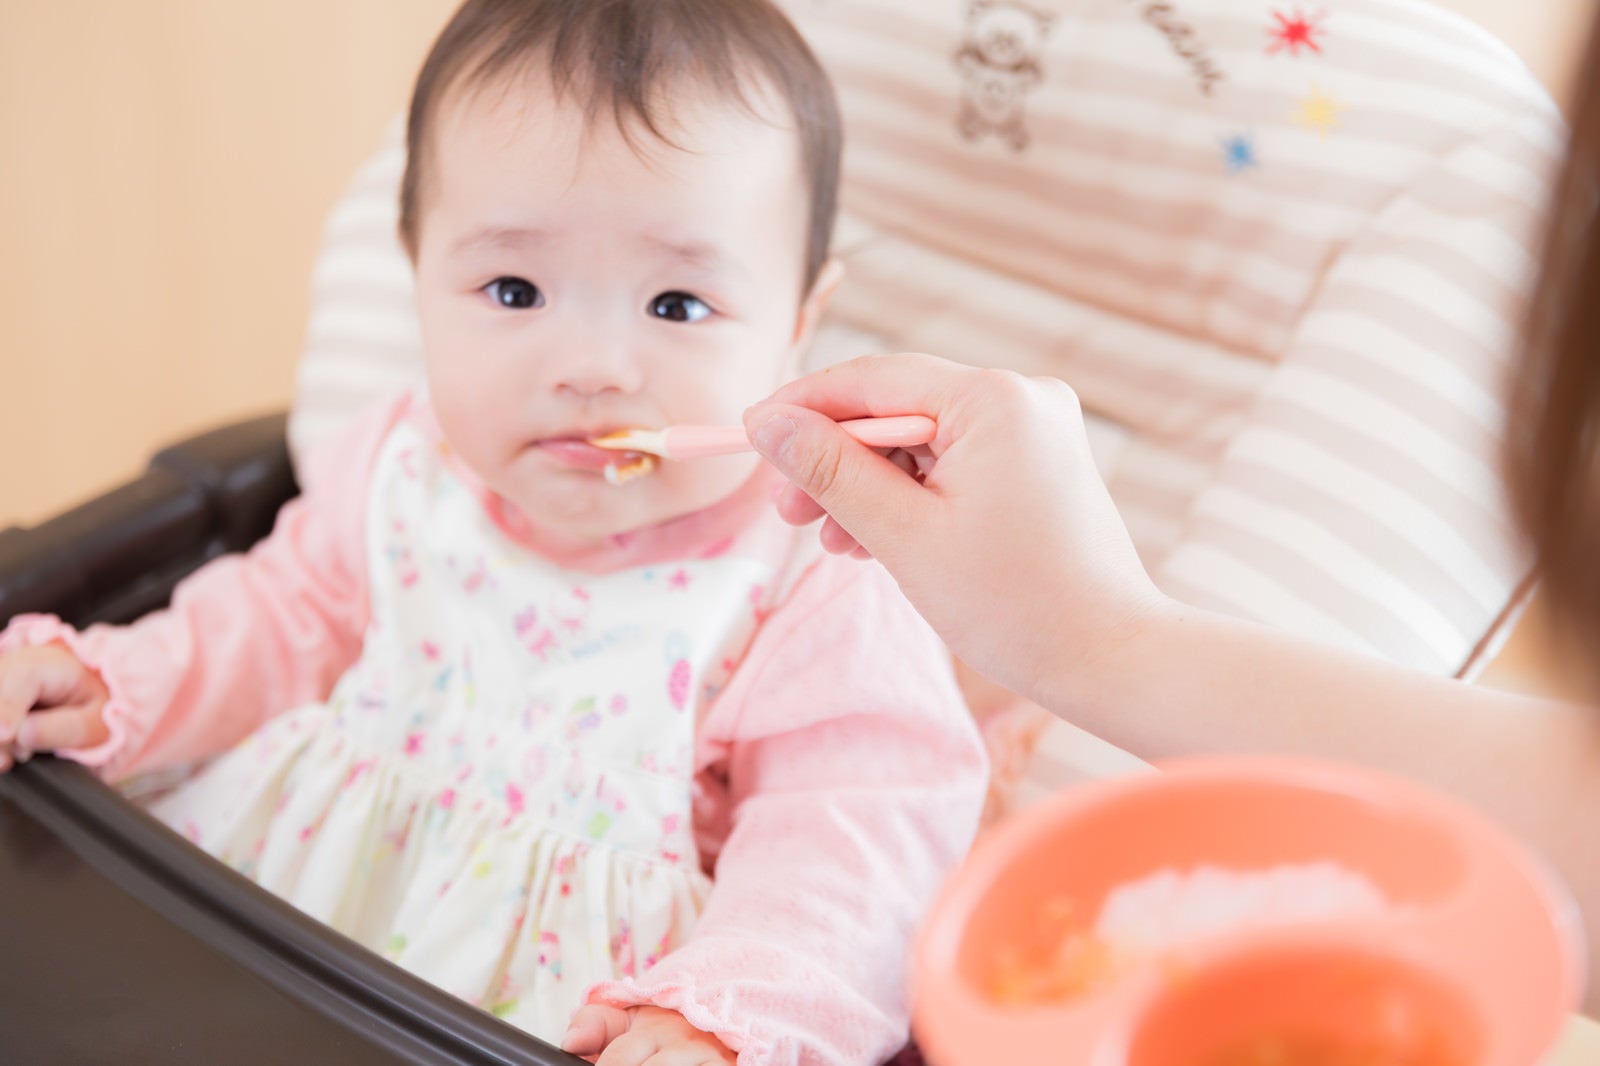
pixel 570 283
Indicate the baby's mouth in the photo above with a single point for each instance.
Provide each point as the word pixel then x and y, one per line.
pixel 577 452
pixel 618 468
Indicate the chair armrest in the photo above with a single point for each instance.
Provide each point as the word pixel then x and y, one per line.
pixel 119 555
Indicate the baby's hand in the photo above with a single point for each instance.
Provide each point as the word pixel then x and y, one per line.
pixel 48 700
pixel 642 1036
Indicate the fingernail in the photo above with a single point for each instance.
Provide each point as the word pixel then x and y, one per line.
pixel 772 437
pixel 27 733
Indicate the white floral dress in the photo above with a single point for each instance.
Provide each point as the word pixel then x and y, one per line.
pixel 497 795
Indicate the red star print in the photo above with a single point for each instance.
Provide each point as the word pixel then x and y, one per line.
pixel 1295 32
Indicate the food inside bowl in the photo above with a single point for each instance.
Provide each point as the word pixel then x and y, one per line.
pixel 1150 920
pixel 1069 961
pixel 1315 1049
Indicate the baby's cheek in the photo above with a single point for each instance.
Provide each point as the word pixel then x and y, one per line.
pixel 700 483
pixel 468 430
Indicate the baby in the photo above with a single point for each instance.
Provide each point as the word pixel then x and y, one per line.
pixel 636 768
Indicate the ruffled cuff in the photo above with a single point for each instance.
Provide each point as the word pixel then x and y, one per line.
pixel 676 992
pixel 36 630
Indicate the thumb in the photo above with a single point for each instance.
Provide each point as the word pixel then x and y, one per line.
pixel 861 490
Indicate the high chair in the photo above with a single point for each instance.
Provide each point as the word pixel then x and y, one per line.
pixel 1279 249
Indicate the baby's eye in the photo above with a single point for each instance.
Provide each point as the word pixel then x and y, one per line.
pixel 518 294
pixel 679 307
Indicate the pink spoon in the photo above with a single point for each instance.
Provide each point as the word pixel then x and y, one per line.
pixel 694 442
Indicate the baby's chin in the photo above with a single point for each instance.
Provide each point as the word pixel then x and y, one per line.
pixel 589 512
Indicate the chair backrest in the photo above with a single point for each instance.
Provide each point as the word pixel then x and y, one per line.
pixel 1282 249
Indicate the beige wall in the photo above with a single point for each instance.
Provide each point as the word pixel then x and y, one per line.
pixel 166 167
pixel 167 164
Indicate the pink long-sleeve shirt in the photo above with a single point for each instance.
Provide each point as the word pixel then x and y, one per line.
pixel 838 775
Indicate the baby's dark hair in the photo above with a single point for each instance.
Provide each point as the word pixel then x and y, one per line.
pixel 621 56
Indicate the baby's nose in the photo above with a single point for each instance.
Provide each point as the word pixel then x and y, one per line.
pixel 596 365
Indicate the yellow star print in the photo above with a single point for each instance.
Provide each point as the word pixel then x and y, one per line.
pixel 1319 112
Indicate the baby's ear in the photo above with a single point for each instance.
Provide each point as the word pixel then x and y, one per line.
pixel 816 302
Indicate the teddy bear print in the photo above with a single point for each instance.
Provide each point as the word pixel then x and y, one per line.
pixel 999 63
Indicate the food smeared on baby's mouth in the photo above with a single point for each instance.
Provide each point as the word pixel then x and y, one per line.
pixel 629 467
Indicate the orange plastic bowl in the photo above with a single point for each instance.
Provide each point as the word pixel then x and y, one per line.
pixel 1475 960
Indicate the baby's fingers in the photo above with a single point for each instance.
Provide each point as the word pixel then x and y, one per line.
pixel 593 1029
pixel 685 1056
pixel 688 1055
pixel 629 1049
pixel 46 676
pixel 79 726
pixel 644 1052
pixel 20 690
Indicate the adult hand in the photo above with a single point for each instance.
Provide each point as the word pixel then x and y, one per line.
pixel 1000 532
pixel 48 700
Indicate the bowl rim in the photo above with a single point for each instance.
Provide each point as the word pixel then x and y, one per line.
pixel 944 1002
